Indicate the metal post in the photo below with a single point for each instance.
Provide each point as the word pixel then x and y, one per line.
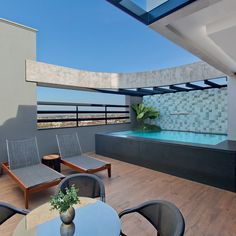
pixel 106 114
pixel 77 116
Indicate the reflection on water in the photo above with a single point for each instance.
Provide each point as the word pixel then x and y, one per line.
pixel 67 230
pixel 179 136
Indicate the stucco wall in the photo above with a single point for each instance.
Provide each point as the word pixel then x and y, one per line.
pixel 17 97
pixel 198 111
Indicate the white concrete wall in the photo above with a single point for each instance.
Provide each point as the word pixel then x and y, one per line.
pixel 17 97
pixel 16 45
pixel 232 108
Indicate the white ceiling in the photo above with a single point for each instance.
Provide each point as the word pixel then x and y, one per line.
pixel 207 28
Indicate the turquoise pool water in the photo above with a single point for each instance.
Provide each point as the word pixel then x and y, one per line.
pixel 187 137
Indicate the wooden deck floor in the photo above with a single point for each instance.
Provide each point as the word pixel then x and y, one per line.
pixel 207 210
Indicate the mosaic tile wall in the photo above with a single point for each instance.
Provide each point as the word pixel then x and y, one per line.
pixel 198 111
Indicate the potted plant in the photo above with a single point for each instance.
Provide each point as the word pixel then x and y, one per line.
pixel 142 113
pixel 63 202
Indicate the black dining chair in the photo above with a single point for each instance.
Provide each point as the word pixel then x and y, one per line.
pixel 7 211
pixel 89 185
pixel 164 216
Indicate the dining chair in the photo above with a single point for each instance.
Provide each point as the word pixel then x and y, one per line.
pixel 164 216
pixel 7 211
pixel 89 185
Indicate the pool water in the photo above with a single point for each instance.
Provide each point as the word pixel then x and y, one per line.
pixel 179 136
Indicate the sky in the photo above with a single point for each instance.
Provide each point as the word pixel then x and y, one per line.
pixel 92 35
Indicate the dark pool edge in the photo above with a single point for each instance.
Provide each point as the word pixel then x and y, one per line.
pixel 214 166
pixel 227 145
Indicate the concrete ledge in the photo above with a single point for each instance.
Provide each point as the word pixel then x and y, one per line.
pixel 58 76
pixel 18 25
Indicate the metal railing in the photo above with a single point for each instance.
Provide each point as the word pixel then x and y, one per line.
pixel 76 112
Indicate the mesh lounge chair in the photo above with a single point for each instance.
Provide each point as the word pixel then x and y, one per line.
pixel 73 157
pixel 163 215
pixel 25 167
pixel 89 185
pixel 7 211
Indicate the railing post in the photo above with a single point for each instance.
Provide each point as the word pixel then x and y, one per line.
pixel 106 114
pixel 77 116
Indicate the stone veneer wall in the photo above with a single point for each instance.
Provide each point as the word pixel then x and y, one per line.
pixel 198 111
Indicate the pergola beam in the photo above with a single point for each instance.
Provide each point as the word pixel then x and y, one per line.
pixel 131 92
pixel 179 89
pixel 120 92
pixel 194 86
pixel 146 91
pixel 212 84
pixel 140 92
pixel 162 90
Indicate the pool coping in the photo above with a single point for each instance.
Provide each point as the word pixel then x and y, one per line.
pixel 227 145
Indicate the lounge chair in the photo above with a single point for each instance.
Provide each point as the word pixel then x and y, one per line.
pixel 89 185
pixel 164 216
pixel 72 156
pixel 25 167
pixel 7 211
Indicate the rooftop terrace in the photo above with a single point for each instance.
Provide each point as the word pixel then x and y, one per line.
pixel 172 92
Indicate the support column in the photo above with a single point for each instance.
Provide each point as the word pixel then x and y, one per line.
pixel 129 101
pixel 232 108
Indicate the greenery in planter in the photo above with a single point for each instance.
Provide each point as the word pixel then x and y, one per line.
pixel 142 113
pixel 63 201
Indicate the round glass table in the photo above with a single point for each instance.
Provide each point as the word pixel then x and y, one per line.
pixel 92 218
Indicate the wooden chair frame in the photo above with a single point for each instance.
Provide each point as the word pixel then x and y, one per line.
pixel 107 167
pixel 28 190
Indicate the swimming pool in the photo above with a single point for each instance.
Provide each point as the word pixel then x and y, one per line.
pixel 178 136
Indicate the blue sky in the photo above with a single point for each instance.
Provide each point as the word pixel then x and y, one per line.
pixel 92 35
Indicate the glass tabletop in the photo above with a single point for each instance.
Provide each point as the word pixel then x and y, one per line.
pixel 96 219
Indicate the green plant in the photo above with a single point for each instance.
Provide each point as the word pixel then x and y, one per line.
pixel 142 113
pixel 63 201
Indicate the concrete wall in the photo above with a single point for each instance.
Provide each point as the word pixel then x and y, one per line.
pixel 203 111
pixel 232 108
pixel 17 97
pixel 86 136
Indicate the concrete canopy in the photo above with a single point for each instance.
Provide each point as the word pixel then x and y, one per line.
pixel 205 28
pixel 57 76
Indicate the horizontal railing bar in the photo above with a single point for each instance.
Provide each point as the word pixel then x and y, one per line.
pixel 81 112
pixel 81 119
pixel 125 106
pixel 78 104
pixel 56 112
